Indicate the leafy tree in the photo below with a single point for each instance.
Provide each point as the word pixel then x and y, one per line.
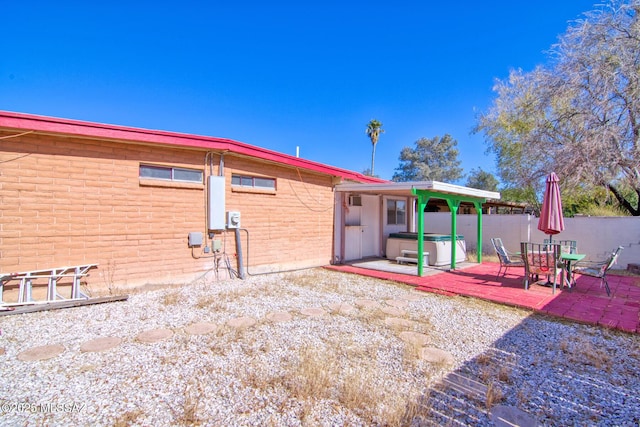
pixel 597 201
pixel 434 159
pixel 580 115
pixel 374 129
pixel 482 180
pixel 367 172
pixel 522 195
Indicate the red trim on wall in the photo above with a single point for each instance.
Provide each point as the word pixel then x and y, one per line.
pixel 43 124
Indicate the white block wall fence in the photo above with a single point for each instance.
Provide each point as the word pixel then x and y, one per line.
pixel 597 237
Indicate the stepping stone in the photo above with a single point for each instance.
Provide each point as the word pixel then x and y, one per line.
pixel 2 351
pixel 367 303
pixel 415 338
pixel 313 312
pixel 342 308
pixel 393 311
pixel 41 353
pixel 398 322
pixel 397 303
pixel 465 385
pixel 100 344
pixel 411 297
pixel 279 316
pixel 154 335
pixel 435 355
pixel 201 328
pixel 506 416
pixel 242 322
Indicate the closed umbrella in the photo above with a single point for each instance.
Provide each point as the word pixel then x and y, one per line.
pixel 551 220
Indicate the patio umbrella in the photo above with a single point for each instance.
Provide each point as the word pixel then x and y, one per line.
pixel 551 220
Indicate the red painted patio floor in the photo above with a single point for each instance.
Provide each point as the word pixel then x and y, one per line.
pixel 587 302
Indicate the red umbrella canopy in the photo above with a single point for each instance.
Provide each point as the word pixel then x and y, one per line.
pixel 551 220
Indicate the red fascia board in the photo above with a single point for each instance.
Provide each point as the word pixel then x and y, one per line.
pixel 53 125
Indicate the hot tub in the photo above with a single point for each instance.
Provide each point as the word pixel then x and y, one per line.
pixel 438 246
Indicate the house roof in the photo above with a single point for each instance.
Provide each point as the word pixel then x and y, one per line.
pixel 406 189
pixel 21 122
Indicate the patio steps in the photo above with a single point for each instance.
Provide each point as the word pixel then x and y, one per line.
pixel 411 256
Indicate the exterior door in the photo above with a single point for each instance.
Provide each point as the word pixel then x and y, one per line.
pixel 370 221
pixel 353 233
pixel 362 229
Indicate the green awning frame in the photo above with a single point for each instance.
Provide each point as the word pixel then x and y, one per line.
pixel 453 200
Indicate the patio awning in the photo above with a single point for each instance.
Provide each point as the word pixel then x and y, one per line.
pixel 406 189
pixel 423 191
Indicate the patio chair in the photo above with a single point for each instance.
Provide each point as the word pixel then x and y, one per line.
pixel 568 246
pixel 505 257
pixel 600 269
pixel 541 259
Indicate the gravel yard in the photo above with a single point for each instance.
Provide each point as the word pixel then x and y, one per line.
pixel 313 347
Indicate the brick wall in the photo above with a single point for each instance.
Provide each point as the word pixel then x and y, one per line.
pixel 291 229
pixel 67 201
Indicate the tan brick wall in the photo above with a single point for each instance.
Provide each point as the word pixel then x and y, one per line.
pixel 69 201
pixel 290 229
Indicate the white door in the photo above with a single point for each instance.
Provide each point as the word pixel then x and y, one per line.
pixel 353 242
pixel 362 229
pixel 353 234
pixel 370 221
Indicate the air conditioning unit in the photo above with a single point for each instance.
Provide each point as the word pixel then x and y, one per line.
pixel 355 200
pixel 233 219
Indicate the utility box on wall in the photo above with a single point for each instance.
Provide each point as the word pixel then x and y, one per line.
pixel 233 219
pixel 195 239
pixel 215 203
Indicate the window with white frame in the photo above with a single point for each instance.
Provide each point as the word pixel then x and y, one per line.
pixel 396 212
pixel 168 173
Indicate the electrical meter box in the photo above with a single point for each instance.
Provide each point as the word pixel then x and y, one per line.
pixel 215 200
pixel 233 219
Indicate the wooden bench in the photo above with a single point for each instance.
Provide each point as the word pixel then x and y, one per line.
pixel 410 256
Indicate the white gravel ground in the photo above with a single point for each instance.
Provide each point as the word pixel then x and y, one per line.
pixel 340 368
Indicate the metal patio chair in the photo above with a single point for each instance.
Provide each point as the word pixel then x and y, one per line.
pixel 568 246
pixel 541 259
pixel 600 269
pixel 505 257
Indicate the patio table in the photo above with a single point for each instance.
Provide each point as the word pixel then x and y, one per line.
pixel 567 259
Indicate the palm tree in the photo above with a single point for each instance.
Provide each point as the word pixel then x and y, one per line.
pixel 374 129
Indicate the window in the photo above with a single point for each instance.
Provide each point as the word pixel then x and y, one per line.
pixel 253 182
pixel 168 173
pixel 396 212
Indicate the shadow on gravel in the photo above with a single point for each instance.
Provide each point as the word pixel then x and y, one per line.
pixel 543 372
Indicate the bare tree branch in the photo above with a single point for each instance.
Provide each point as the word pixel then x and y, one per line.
pixel 580 115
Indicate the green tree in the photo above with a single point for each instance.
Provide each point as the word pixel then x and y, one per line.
pixel 482 180
pixel 367 172
pixel 578 116
pixel 434 159
pixel 374 129
pixel 521 195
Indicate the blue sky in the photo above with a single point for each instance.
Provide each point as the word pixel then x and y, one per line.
pixel 279 74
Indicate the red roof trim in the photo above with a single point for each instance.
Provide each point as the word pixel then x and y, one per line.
pixel 29 122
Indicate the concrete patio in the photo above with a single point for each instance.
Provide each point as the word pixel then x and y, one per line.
pixel 586 303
